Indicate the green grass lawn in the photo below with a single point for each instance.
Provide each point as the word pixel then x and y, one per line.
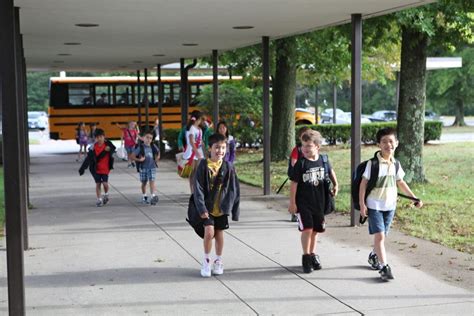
pixel 447 216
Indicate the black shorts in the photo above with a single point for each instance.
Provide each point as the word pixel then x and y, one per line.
pixel 311 220
pixel 100 178
pixel 220 222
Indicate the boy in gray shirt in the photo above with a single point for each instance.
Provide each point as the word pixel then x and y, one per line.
pixel 147 155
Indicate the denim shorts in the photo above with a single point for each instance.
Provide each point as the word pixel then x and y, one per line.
pixel 147 175
pixel 379 221
pixel 130 149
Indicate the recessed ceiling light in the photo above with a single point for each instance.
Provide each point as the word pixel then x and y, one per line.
pixel 190 44
pixel 159 55
pixel 87 25
pixel 243 27
pixel 58 61
pixel 64 54
pixel 72 43
pixel 137 61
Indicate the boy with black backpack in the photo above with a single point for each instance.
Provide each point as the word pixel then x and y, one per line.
pixel 311 197
pixel 146 154
pixel 378 196
pixel 216 197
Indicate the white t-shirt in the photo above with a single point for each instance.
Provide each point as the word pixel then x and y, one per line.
pixel 197 133
pixel 384 196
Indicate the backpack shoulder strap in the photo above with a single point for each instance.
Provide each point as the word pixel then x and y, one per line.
pixel 325 165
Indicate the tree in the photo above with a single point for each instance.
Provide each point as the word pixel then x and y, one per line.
pixel 445 23
pixel 452 90
pixel 37 90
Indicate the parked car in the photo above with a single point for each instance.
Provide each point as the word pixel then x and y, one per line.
pixel 432 116
pixel 37 120
pixel 363 118
pixel 383 116
pixel 341 116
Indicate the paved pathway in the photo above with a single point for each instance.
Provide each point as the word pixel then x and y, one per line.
pixel 130 259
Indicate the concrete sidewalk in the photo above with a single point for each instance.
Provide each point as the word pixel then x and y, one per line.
pixel 130 259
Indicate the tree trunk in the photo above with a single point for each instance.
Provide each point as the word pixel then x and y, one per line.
pixel 411 107
pixel 459 119
pixel 283 101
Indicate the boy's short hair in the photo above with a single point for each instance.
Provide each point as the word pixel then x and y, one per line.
pixel 99 132
pixel 216 138
pixel 147 131
pixel 384 132
pixel 312 136
pixel 303 130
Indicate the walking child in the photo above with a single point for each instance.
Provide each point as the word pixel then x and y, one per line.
pixel 100 161
pixel 81 140
pixel 216 196
pixel 381 201
pixel 194 151
pixel 147 155
pixel 129 139
pixel 309 196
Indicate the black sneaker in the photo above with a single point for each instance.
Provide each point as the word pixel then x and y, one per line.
pixel 154 200
pixel 386 273
pixel 145 200
pixel 374 261
pixel 105 199
pixel 315 262
pixel 293 218
pixel 307 264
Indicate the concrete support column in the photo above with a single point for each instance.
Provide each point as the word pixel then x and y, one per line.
pixel 139 101
pixel 266 115
pixel 145 98
pixel 356 98
pixel 184 108
pixel 160 105
pixel 215 88
pixel 11 165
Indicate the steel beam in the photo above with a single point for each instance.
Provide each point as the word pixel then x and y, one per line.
pixel 145 98
pixel 160 106
pixel 184 108
pixel 139 101
pixel 266 114
pixel 215 88
pixel 12 175
pixel 356 99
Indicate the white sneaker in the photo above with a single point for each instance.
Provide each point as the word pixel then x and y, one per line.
pixel 206 268
pixel 218 267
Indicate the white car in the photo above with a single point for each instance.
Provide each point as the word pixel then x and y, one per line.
pixel 37 120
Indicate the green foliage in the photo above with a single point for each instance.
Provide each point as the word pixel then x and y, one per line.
pixel 341 133
pixel 171 135
pixel 38 87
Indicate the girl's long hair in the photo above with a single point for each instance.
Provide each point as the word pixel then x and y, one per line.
pixel 226 128
pixel 195 115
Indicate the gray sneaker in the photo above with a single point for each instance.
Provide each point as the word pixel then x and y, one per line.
pixel 99 203
pixel 374 261
pixel 154 200
pixel 386 273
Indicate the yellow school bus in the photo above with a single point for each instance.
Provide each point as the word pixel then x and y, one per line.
pixel 110 100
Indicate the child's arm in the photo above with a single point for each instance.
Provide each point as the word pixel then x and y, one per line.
pixel 292 208
pixel 402 185
pixel 133 156
pixel 362 190
pixel 335 185
pixel 199 198
pixel 119 126
pixel 193 145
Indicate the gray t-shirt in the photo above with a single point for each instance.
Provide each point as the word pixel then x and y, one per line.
pixel 149 162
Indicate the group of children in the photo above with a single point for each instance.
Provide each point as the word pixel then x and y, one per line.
pixel 216 194
pixel 140 149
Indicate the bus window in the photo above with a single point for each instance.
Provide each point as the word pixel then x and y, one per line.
pixel 123 94
pixel 167 94
pixel 102 94
pixel 194 92
pixel 80 94
pixel 175 95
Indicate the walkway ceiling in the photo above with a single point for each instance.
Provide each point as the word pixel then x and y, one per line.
pixel 137 34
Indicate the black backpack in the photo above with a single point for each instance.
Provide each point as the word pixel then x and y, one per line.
pixel 154 149
pixel 357 178
pixel 291 168
pixel 329 207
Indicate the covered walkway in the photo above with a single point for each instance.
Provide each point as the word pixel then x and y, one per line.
pixel 130 259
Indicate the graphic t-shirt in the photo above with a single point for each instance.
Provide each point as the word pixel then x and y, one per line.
pixel 129 137
pixel 213 168
pixel 149 162
pixel 310 193
pixel 103 163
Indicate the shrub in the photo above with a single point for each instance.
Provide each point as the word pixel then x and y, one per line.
pixel 341 133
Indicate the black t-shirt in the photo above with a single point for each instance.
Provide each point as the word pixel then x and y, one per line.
pixel 310 194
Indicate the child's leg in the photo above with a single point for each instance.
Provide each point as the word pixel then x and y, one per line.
pixel 152 187
pixel 207 240
pixel 143 187
pixel 306 237
pixel 219 237
pixel 379 246
pixel 314 241
pixel 97 190
pixel 106 187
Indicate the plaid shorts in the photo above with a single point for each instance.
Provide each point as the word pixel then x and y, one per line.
pixel 147 175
